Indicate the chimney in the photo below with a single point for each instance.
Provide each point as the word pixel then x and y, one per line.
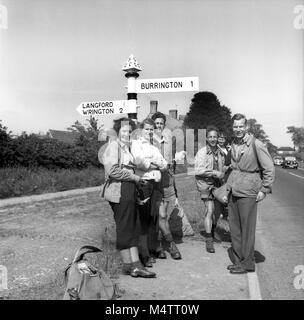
pixel 173 113
pixel 181 117
pixel 153 106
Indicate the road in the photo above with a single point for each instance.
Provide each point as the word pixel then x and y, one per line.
pixel 280 236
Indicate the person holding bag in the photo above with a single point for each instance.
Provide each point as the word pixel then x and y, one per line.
pixel 119 190
pixel 150 163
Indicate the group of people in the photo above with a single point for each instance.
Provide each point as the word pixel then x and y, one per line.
pixel 139 185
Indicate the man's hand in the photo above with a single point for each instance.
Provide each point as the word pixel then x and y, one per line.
pixel 261 195
pixel 176 202
pixel 142 181
pixel 208 173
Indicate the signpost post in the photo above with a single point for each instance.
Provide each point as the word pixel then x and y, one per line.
pixel 132 68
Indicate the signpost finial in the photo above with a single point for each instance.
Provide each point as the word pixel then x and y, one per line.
pixel 131 65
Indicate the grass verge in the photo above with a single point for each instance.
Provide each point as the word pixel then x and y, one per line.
pixel 20 181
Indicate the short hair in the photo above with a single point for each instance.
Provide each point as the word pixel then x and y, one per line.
pixel 239 116
pixel 222 133
pixel 123 121
pixel 157 115
pixel 147 121
pixel 211 128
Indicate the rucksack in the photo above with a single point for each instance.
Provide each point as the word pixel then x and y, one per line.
pixel 179 224
pixel 85 282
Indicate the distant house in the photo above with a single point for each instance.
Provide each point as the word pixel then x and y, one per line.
pixel 63 136
pixel 285 150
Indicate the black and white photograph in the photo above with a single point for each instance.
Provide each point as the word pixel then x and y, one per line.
pixel 151 151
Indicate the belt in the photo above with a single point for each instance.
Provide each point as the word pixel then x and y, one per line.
pixel 247 171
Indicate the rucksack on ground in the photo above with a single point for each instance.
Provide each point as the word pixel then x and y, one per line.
pixel 85 282
pixel 179 224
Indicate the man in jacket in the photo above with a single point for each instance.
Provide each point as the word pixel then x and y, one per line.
pixel 251 179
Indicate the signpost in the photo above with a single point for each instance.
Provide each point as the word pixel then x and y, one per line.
pixel 132 69
pixel 167 85
pixel 99 108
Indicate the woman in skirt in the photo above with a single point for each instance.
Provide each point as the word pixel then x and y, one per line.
pixel 120 191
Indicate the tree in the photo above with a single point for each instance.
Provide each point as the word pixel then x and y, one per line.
pixel 5 150
pixel 297 137
pixel 256 129
pixel 272 149
pixel 205 110
pixel 88 138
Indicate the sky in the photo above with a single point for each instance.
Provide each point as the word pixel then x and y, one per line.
pixel 56 54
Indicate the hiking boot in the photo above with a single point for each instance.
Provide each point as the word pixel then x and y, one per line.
pixel 142 272
pixel 161 254
pixel 174 252
pixel 147 262
pixel 209 245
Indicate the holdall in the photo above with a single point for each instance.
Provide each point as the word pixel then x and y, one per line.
pixel 85 282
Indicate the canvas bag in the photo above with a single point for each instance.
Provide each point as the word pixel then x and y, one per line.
pixel 85 282
pixel 179 223
pixel 108 187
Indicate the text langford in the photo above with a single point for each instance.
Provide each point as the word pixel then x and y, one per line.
pixel 103 108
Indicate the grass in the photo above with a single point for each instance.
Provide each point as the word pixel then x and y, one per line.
pixel 20 181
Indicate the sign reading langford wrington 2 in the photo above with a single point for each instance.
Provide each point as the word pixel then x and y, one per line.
pixel 103 107
pixel 167 85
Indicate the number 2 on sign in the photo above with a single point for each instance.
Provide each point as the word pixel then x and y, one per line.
pixel 120 110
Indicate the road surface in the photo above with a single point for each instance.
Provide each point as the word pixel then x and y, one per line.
pixel 280 236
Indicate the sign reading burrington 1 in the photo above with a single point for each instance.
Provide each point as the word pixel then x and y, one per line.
pixel 103 108
pixel 167 85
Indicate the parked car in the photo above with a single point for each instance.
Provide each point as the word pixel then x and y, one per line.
pixel 278 160
pixel 290 162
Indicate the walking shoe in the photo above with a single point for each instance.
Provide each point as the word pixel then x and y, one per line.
pixel 231 266
pixel 209 245
pixel 238 270
pixel 152 259
pixel 146 261
pixel 161 254
pixel 173 250
pixel 142 272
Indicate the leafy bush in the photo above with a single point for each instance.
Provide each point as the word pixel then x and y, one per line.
pixel 36 151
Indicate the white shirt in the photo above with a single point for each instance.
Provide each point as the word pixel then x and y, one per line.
pixel 145 153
